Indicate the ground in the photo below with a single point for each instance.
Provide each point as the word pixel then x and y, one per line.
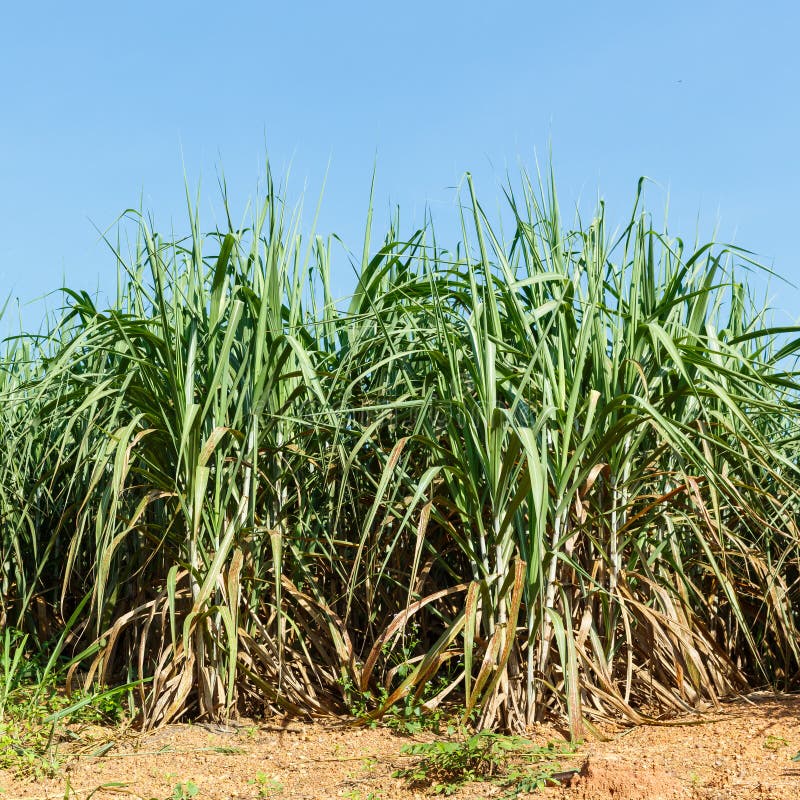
pixel 742 752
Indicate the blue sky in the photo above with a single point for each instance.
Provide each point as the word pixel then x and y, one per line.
pixel 104 104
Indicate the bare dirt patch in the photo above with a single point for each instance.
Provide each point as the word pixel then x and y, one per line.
pixel 743 752
pixel 613 777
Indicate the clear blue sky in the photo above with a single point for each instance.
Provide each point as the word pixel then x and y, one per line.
pixel 103 103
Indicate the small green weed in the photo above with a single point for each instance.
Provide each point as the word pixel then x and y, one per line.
pixel 510 761
pixel 267 787
pixel 184 791
pixel 369 763
pixel 774 743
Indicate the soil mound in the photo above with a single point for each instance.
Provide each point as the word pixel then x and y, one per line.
pixel 602 778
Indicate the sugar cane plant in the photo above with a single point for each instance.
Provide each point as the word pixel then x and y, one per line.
pixel 567 459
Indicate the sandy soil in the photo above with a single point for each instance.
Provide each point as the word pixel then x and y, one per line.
pixel 742 753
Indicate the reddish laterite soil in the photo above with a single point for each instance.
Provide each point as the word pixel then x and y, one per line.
pixel 742 752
